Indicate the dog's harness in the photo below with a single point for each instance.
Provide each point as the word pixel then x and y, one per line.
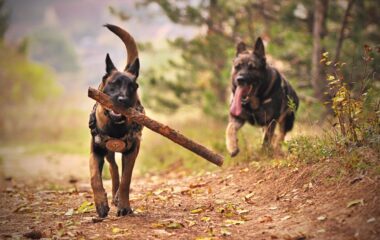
pixel 125 144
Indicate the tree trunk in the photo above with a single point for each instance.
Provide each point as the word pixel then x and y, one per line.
pixel 317 80
pixel 341 35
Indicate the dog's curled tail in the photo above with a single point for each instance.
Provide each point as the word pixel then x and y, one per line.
pixel 128 41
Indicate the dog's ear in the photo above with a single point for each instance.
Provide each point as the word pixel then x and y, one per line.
pixel 109 65
pixel 259 50
pixel 134 68
pixel 240 47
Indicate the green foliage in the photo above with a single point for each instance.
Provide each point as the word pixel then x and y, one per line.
pixel 356 143
pixel 22 80
pixel 201 77
pixel 51 46
pixel 347 104
pixel 4 19
pixel 308 149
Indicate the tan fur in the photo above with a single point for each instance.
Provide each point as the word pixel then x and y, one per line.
pixel 114 170
pixel 231 137
pixel 101 118
pixel 100 195
pixel 128 161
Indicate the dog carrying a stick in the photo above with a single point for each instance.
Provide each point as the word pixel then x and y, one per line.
pixel 116 123
pixel 111 132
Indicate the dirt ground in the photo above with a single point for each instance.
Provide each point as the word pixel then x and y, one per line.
pixel 243 202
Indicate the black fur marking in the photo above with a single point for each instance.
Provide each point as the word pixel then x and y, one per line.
pixel 134 68
pixel 109 65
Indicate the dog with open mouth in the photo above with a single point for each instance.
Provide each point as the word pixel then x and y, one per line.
pixel 112 132
pixel 260 96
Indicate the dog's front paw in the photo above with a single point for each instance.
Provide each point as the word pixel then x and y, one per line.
pixel 102 209
pixel 124 211
pixel 235 152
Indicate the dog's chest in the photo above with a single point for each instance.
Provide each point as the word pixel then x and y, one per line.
pixel 267 110
pixel 115 137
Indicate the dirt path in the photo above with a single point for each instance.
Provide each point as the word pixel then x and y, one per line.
pixel 244 202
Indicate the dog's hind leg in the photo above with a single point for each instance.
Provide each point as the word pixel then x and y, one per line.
pixel 114 176
pixel 128 162
pixel 268 134
pixel 286 124
pixel 231 136
pixel 100 196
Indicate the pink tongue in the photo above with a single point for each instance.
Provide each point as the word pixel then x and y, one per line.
pixel 236 107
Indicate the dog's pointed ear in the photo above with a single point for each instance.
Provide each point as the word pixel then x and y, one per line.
pixel 109 65
pixel 240 47
pixel 134 68
pixel 259 49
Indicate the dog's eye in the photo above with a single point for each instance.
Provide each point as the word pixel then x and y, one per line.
pixel 133 86
pixel 238 67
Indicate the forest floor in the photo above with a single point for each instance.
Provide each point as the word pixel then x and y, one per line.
pixel 247 201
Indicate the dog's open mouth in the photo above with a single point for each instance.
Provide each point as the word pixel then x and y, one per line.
pixel 241 94
pixel 117 118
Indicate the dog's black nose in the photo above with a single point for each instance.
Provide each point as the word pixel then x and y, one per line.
pixel 122 99
pixel 240 80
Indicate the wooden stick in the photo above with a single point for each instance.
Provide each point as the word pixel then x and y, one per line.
pixel 157 127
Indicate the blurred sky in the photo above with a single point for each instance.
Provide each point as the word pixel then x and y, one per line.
pixel 81 24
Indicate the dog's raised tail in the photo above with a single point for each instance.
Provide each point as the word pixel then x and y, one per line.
pixel 129 42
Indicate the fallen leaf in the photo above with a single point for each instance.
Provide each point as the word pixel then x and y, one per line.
pixel 273 208
pixel 205 219
pixel 174 225
pixel 162 198
pixel 197 210
pixel 197 185
pixel 321 218
pixel 139 210
pixel 116 230
pixel 355 202
pixel 162 232
pixel 23 209
pixel 230 222
pixel 248 196
pixel 242 211
pixel 371 220
pixel 225 232
pixel 158 225
pixel 265 219
pixel 285 218
pixel 86 207
pixel 191 223
pixel 69 212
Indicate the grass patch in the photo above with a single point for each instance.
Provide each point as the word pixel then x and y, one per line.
pixel 309 150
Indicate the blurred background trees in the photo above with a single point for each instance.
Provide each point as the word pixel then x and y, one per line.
pixel 52 50
pixel 296 32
